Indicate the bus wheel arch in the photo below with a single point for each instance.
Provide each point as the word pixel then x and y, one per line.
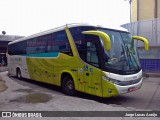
pixel 67 84
pixel 18 73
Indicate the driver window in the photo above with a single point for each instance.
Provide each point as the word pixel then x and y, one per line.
pixel 92 57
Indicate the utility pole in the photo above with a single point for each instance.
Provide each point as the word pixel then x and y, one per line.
pixel 130 3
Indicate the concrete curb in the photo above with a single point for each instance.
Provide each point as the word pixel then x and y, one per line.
pixel 151 74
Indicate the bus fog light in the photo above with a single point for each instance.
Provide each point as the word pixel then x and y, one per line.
pixel 109 91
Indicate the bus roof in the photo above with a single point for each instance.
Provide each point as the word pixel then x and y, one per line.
pixel 63 27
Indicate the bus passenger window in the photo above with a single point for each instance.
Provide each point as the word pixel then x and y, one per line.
pixel 59 43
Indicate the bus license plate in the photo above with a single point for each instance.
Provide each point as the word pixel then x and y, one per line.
pixel 132 89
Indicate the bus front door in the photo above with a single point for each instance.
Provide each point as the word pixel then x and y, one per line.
pixel 92 74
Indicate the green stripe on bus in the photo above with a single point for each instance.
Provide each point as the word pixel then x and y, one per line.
pixel 52 54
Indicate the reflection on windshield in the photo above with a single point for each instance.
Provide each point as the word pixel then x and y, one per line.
pixel 123 55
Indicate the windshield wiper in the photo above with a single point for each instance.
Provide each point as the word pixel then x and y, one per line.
pixel 131 55
pixel 125 59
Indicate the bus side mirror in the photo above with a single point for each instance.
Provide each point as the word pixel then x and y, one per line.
pixel 144 40
pixel 102 35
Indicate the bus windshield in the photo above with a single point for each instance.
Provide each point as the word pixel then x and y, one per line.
pixel 122 57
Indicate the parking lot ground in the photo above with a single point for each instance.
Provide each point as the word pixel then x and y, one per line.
pixel 22 95
pixel 146 98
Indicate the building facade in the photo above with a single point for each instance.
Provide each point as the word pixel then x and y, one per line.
pixel 145 21
pixel 145 10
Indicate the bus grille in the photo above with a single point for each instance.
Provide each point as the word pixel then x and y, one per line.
pixel 125 83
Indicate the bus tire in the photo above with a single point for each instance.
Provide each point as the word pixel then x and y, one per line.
pixel 68 86
pixel 18 74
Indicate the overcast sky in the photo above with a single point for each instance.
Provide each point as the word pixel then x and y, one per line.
pixel 26 17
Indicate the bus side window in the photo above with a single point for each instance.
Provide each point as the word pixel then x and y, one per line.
pixel 59 43
pixel 17 49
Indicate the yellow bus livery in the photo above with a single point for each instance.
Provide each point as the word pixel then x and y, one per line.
pixel 79 57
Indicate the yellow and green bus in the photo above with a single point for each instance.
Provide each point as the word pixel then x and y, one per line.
pixel 92 59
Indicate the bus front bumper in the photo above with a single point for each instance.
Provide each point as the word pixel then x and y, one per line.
pixel 129 88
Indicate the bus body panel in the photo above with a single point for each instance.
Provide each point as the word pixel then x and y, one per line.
pixel 49 68
pixel 86 77
pixel 92 81
pixel 114 89
pixel 15 62
pixel 129 88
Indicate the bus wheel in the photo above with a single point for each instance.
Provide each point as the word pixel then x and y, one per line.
pixel 19 76
pixel 68 85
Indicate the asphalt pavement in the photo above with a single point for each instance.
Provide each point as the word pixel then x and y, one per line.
pixel 22 95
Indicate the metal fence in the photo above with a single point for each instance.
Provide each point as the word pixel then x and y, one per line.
pixel 149 29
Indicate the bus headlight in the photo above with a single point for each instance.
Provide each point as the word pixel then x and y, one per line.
pixel 111 80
